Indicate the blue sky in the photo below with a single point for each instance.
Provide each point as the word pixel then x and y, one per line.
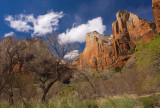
pixel 75 11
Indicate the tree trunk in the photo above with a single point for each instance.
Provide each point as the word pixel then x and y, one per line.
pixel 46 90
pixel 11 101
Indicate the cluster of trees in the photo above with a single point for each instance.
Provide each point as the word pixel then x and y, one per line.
pixel 23 73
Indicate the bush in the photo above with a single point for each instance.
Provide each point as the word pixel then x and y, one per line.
pixel 148 65
pixel 118 69
pixel 149 53
pixel 124 53
pixel 148 102
pixel 123 102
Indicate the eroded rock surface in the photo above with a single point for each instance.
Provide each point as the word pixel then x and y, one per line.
pixel 156 13
pixel 129 28
pixel 102 52
pixel 27 50
pixel 97 53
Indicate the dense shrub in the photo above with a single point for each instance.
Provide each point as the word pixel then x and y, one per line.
pixel 148 64
pixel 148 54
pixel 148 102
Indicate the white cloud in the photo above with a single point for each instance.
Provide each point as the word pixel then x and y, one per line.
pixel 46 23
pixel 77 34
pixel 41 25
pixel 19 23
pixel 72 55
pixel 9 34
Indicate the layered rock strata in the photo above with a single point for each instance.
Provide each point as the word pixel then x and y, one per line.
pixel 97 52
pixel 102 52
pixel 129 28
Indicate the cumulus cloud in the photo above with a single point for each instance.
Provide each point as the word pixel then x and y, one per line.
pixel 41 25
pixel 19 23
pixel 78 33
pixel 72 55
pixel 9 34
pixel 46 23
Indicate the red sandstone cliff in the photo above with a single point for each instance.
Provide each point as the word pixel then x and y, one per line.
pixel 97 53
pixel 127 29
pixel 102 51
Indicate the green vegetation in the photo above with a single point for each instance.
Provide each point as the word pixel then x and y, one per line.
pixel 129 52
pixel 123 102
pixel 75 102
pixel 148 65
pixel 148 102
pixel 118 69
pixel 149 53
pixel 124 53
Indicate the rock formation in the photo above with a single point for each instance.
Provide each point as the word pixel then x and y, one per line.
pixel 102 51
pixel 26 49
pixel 129 28
pixel 37 47
pixel 97 53
pixel 156 13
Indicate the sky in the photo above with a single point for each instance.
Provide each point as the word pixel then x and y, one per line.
pixel 72 19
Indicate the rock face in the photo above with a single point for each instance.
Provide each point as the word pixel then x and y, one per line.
pixel 97 53
pixel 102 52
pixel 156 13
pixel 34 46
pixel 37 47
pixel 27 49
pixel 129 28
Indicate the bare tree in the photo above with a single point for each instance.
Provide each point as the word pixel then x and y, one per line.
pixel 54 68
pixel 12 70
pixel 10 63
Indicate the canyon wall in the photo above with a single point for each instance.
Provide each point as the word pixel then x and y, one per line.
pixel 97 53
pixel 129 28
pixel 102 52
